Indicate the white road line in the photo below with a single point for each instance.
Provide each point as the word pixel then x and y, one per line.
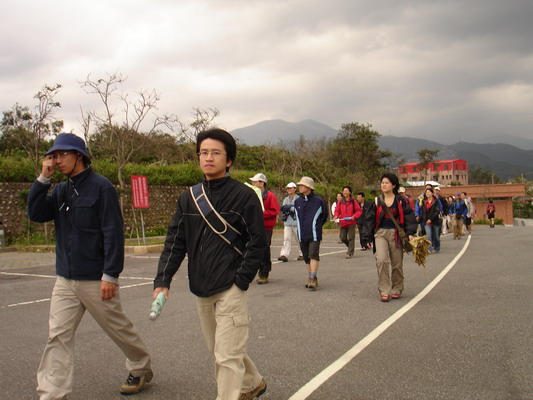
pixel 138 284
pixel 337 365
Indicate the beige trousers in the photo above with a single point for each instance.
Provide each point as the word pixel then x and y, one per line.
pixel 224 321
pixel 457 227
pixel 69 301
pixel 289 232
pixel 388 256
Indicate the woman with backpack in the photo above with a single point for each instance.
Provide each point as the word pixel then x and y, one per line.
pixel 430 213
pixel 490 211
pixel 380 232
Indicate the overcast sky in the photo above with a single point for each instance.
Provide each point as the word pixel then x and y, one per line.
pixel 440 70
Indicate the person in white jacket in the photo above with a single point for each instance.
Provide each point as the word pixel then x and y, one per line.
pixel 290 229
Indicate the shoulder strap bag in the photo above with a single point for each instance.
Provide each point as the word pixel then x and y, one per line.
pixel 212 218
pixel 406 245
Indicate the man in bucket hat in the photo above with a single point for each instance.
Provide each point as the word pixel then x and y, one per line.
pixel 89 258
pixel 311 214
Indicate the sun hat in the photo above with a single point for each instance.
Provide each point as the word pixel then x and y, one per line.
pixel 291 185
pixel 307 181
pixel 259 177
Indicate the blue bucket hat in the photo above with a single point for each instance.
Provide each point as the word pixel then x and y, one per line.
pixel 69 141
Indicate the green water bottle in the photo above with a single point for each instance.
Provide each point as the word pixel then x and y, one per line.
pixel 157 306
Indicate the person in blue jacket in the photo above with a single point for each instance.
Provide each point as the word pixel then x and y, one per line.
pixel 458 211
pixel 89 258
pixel 311 215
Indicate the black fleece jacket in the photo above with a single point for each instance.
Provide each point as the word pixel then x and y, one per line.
pixel 213 266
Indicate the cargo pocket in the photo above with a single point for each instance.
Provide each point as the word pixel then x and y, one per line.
pixel 240 338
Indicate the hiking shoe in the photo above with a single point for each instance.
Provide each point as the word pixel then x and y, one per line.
pixel 313 283
pixel 262 280
pixel 283 258
pixel 253 394
pixel 300 258
pixel 135 384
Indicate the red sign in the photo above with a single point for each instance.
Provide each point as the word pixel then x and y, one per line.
pixel 139 191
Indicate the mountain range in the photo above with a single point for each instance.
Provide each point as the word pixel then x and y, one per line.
pixel 507 160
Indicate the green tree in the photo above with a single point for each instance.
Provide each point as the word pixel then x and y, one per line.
pixel 482 176
pixel 31 129
pixel 355 153
pixel 426 157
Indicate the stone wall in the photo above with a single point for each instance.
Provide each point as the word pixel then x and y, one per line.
pixel 163 201
pixel 162 206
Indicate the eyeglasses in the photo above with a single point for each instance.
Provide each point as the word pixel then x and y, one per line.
pixel 214 153
pixel 60 155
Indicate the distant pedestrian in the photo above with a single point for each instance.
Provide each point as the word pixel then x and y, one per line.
pixel 290 229
pixel 447 223
pixel 443 211
pixel 469 219
pixel 418 203
pixel 89 259
pixel 381 233
pixel 401 192
pixel 270 214
pixel 430 214
pixel 311 214
pixel 490 210
pixel 347 213
pixel 458 212
pixel 365 206
pixel 333 219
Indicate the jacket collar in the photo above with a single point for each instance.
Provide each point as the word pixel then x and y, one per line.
pixel 78 179
pixel 215 184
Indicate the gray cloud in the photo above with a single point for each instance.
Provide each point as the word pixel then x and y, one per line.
pixel 438 70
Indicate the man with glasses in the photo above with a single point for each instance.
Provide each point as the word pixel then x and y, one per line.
pixel 89 258
pixel 220 270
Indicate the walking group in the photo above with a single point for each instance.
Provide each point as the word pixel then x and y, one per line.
pixel 225 230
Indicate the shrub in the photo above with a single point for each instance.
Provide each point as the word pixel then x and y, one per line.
pixel 16 169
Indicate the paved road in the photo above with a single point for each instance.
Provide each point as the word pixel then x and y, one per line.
pixel 469 337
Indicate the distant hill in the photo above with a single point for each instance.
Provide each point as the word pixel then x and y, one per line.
pixel 276 130
pixel 506 160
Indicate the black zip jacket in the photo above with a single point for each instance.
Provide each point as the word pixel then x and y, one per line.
pixel 213 265
pixel 371 225
pixel 432 214
pixel 88 225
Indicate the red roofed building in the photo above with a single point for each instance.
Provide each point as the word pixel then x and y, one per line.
pixel 444 171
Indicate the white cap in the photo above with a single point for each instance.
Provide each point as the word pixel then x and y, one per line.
pixel 291 185
pixel 259 177
pixel 307 181
pixel 401 189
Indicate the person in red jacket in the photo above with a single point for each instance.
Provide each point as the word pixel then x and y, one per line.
pixel 272 209
pixel 347 212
